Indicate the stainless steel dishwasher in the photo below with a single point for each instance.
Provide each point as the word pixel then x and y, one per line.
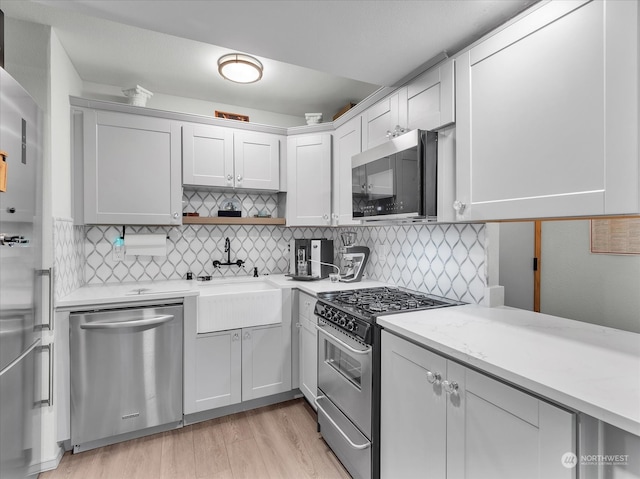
pixel 126 373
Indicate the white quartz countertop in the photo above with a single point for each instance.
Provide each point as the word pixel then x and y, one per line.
pixel 115 293
pixel 586 367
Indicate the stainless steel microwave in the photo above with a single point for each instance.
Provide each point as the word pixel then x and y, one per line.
pixel 397 179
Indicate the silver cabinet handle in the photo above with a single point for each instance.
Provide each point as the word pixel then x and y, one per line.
pixel 247 335
pixel 342 433
pixel 175 215
pixel 325 216
pixel 235 337
pixel 450 387
pixel 49 400
pixel 459 206
pixel 298 325
pixel 129 324
pixel 342 343
pixel 239 178
pixel 433 378
pixel 49 273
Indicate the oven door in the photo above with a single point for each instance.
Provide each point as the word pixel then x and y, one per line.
pixel 344 374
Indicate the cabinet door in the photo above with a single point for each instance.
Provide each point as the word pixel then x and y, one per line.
pixel 413 411
pixel 207 155
pixel 547 115
pixel 309 180
pixel 347 142
pixel 308 349
pixel 431 98
pixel 257 161
pixel 131 169
pixel 266 361
pixel 382 117
pixel 494 430
pixel 217 380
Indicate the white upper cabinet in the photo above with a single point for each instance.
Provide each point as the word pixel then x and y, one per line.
pixel 221 157
pixel 347 142
pixel 431 98
pixel 547 115
pixel 207 155
pixel 309 180
pixel 383 117
pixel 257 160
pixel 131 169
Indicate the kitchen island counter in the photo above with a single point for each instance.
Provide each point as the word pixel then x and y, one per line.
pixel 585 367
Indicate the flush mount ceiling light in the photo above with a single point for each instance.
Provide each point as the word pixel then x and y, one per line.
pixel 240 68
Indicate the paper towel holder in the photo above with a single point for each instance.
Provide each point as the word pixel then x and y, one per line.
pixel 124 229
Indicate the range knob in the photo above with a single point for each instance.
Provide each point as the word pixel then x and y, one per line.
pixel 342 321
pixel 351 325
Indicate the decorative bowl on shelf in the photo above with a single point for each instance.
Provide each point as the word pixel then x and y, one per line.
pixel 230 207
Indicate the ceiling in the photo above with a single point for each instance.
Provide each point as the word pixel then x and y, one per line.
pixel 318 55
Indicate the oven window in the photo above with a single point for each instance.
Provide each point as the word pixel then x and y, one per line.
pixel 344 364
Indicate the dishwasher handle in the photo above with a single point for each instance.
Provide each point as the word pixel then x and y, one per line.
pixel 129 324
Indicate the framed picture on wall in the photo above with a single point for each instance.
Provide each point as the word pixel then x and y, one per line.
pixel 231 116
pixel 615 236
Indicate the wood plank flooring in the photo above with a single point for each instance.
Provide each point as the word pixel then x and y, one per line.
pixel 274 442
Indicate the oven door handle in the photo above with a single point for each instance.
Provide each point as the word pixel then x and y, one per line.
pixel 359 447
pixel 342 343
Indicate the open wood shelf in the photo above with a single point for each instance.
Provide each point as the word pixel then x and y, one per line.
pixel 226 220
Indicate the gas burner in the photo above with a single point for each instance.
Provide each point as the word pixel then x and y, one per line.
pixel 354 311
pixel 377 306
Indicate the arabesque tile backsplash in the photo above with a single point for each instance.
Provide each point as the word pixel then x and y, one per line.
pixel 443 259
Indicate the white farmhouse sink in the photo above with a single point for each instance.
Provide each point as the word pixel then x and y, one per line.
pixel 238 305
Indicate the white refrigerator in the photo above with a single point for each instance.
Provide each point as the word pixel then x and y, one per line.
pixel 20 279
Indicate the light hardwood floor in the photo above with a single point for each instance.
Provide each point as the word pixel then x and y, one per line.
pixel 273 442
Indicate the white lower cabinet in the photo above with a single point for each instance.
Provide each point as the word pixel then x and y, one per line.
pixel 228 367
pixel 441 419
pixel 217 370
pixel 308 341
pixel 266 361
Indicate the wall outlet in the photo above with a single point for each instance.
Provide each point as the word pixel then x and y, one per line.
pixel 118 250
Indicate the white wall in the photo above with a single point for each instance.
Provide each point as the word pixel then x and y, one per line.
pixel 576 284
pixel 160 101
pixel 26 57
pixel 64 82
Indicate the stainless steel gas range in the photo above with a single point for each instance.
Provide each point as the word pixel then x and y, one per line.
pixel 349 369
